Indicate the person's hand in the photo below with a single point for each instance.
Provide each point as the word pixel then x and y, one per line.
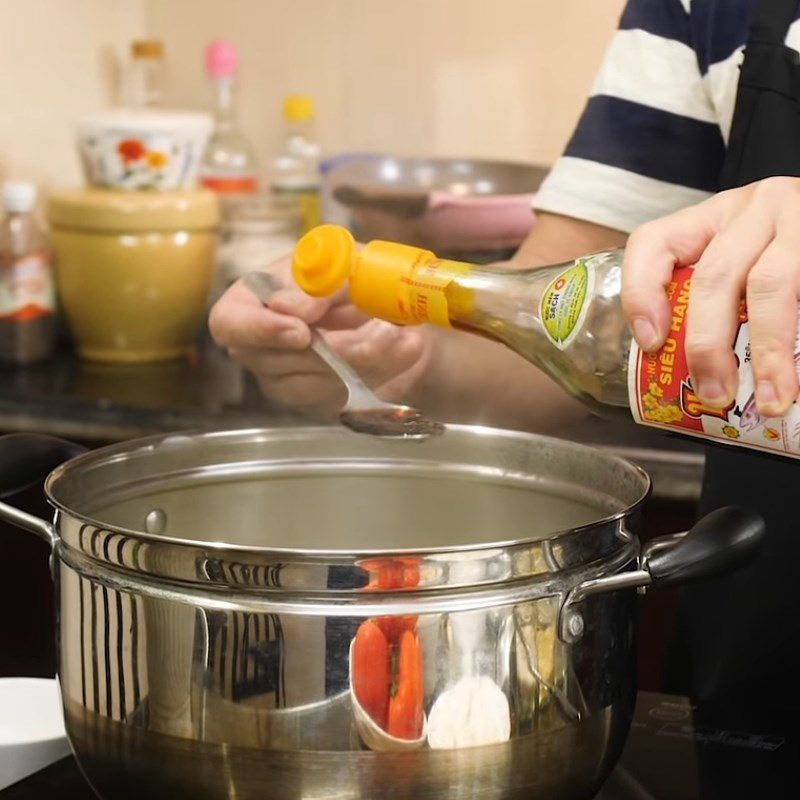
pixel 744 243
pixel 273 343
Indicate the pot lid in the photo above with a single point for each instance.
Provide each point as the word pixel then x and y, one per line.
pixel 334 512
pixel 113 210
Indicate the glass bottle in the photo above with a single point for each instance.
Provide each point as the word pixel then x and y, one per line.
pixel 566 319
pixel 145 80
pixel 27 294
pixel 229 164
pixel 295 176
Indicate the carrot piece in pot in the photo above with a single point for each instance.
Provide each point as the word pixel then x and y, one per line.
pixel 406 711
pixel 371 669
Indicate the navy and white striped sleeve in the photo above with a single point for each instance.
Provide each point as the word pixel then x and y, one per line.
pixel 648 142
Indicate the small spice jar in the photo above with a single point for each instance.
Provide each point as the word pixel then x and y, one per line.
pixel 255 235
pixel 133 270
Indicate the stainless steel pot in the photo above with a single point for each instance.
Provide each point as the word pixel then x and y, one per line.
pixel 210 587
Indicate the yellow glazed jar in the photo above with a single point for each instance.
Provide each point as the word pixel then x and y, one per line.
pixel 133 270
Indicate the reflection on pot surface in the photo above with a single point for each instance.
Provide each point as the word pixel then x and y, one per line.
pixel 248 704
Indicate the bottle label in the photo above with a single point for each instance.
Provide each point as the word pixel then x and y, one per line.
pixel 422 295
pixel 565 304
pixel 243 184
pixel 26 289
pixel 661 393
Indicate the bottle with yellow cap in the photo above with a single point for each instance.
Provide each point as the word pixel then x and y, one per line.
pixel 566 319
pixel 295 181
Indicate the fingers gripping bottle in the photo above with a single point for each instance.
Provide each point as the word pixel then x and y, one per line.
pixel 566 319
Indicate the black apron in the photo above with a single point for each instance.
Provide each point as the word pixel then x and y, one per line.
pixel 737 636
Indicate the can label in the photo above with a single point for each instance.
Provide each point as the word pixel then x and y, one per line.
pixel 661 393
pixel 565 303
pixel 26 289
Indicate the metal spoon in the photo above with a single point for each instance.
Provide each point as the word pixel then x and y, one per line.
pixel 363 412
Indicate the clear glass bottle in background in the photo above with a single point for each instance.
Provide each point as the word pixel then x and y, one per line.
pixel 229 165
pixel 144 83
pixel 295 175
pixel 27 292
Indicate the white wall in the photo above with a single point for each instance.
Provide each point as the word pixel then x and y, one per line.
pixel 57 60
pixel 492 78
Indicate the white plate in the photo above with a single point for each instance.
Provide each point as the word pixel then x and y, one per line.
pixel 31 727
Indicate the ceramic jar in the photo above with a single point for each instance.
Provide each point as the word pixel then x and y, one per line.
pixel 133 270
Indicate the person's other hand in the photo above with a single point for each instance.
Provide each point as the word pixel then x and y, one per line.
pixel 744 243
pixel 273 343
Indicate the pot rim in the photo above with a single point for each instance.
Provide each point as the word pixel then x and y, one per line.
pixel 99 455
pixel 300 601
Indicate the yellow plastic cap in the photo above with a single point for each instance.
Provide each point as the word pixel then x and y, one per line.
pixel 298 108
pixel 323 260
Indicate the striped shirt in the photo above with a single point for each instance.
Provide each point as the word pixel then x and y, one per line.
pixel 652 137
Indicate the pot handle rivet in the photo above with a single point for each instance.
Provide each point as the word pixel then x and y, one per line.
pixel 573 626
pixel 156 521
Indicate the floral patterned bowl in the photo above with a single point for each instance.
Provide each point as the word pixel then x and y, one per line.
pixel 147 149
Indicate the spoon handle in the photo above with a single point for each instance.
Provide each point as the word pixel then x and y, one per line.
pixel 360 395
pixel 263 286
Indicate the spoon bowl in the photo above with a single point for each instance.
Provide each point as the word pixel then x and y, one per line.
pixel 390 420
pixel 363 412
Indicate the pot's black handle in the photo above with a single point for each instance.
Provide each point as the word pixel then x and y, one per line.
pixel 27 458
pixel 720 542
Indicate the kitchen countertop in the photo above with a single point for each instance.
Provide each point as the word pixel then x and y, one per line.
pixel 103 403
pixel 100 402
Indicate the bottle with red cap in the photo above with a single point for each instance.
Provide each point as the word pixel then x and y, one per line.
pixel 229 166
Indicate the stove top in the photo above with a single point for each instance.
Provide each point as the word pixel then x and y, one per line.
pixel 679 751
pixel 675 751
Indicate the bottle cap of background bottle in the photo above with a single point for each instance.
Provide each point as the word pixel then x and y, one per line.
pixel 19 196
pixel 298 108
pixel 147 48
pixel 221 59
